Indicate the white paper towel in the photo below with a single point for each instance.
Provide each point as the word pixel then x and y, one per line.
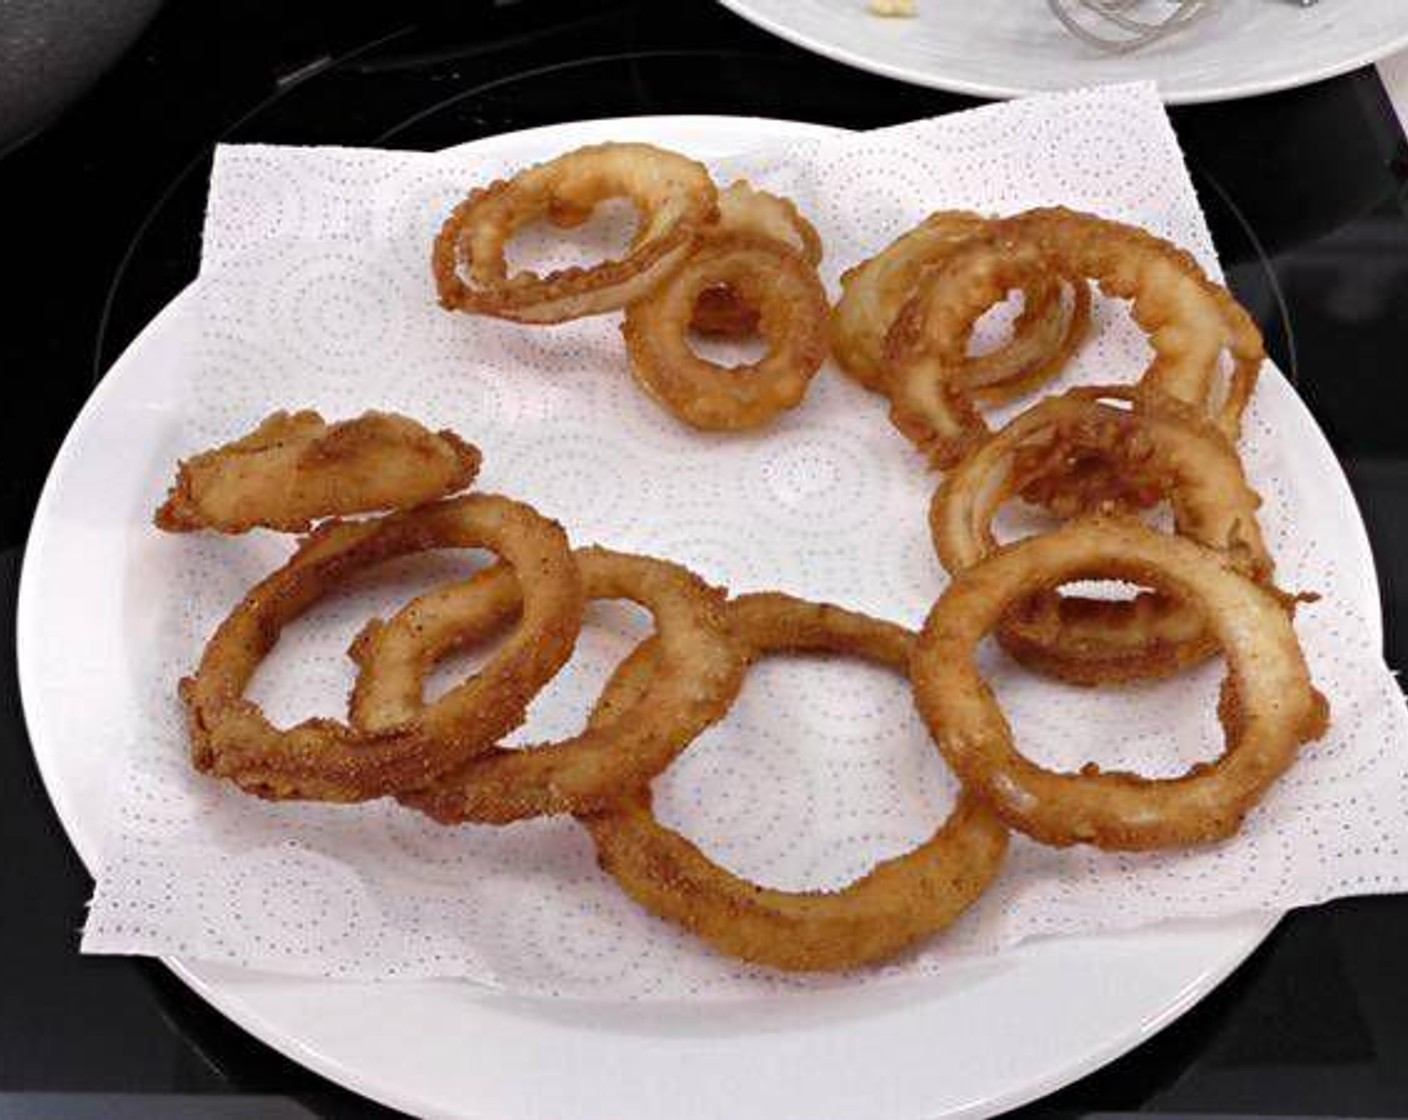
pixel 315 292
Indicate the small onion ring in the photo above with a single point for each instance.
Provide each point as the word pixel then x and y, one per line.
pixel 1157 445
pixel 745 209
pixel 898 902
pixel 1190 321
pixel 324 760
pixel 702 670
pixel 1269 706
pixel 792 308
pixel 1047 332
pixel 673 195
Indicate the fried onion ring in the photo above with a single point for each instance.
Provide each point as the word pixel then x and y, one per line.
pixel 324 760
pixel 1156 447
pixel 897 903
pixel 1269 706
pixel 745 209
pixel 1047 332
pixel 1190 320
pixel 673 195
pixel 701 671
pixel 295 468
pixel 792 309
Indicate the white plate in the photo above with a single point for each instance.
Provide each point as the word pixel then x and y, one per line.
pixel 1008 48
pixel 992 1034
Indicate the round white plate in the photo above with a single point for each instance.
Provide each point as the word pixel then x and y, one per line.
pixel 1009 48
pixel 990 1035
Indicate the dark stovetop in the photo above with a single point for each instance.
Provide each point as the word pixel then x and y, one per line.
pixel 1307 192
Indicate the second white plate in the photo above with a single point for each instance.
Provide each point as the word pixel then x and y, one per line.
pixel 1009 48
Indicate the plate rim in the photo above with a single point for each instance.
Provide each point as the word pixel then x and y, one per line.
pixel 1096 1059
pixel 204 979
pixel 839 53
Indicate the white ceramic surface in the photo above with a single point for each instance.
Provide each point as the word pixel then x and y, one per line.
pixel 1393 72
pixel 1008 48
pixel 989 1036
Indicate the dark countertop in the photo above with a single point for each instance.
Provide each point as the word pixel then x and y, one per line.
pixel 1308 195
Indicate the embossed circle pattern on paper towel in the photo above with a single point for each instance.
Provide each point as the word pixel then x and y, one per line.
pixel 822 481
pixel 337 312
pixel 743 791
pixel 293 902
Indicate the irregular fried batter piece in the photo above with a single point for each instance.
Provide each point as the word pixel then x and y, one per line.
pixel 324 760
pixel 296 468
pixel 896 904
pixel 700 671
pixel 1155 446
pixel 1269 705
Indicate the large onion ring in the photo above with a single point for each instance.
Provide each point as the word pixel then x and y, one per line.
pixel 701 671
pixel 1269 706
pixel 792 309
pixel 1047 332
pixel 897 903
pixel 296 468
pixel 673 195
pixel 322 759
pixel 1156 446
pixel 745 209
pixel 1191 322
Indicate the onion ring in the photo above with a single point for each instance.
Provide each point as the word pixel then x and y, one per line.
pixel 1190 320
pixel 897 903
pixel 1156 447
pixel 745 209
pixel 1045 335
pixel 1269 706
pixel 701 671
pixel 322 759
pixel 792 308
pixel 673 195
pixel 296 468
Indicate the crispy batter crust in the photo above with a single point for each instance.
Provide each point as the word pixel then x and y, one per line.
pixel 296 468
pixel 1191 322
pixel 1269 709
pixel 1154 446
pixel 324 760
pixel 674 196
pixel 1047 332
pixel 791 303
pixel 899 902
pixel 745 209
pixel 701 671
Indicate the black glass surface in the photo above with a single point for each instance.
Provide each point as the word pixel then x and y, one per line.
pixel 1307 192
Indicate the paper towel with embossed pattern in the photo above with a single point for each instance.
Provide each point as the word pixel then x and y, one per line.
pixel 315 292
